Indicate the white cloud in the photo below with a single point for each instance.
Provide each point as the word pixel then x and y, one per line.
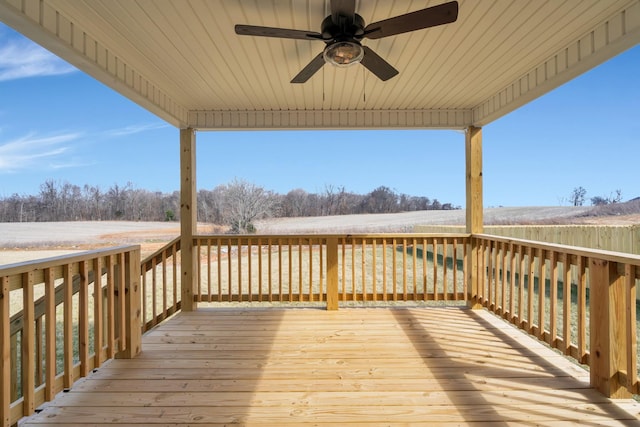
pixel 32 151
pixel 21 58
pixel 133 129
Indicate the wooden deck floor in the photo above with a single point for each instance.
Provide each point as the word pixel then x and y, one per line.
pixel 360 366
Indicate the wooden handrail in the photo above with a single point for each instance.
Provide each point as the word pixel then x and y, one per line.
pixel 17 320
pixel 581 301
pixel 523 281
pixel 62 278
pixel 290 268
pixel 155 290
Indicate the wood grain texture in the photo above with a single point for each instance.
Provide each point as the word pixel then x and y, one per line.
pixel 363 366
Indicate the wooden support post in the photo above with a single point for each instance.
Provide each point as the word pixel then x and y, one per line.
pixel 474 220
pixel 133 309
pixel 607 329
pixel 332 273
pixel 188 217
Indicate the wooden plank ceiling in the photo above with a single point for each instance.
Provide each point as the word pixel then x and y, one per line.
pixel 182 60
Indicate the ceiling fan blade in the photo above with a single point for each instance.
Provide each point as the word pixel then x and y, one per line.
pixel 252 30
pixel 308 71
pixel 425 18
pixel 378 66
pixel 345 8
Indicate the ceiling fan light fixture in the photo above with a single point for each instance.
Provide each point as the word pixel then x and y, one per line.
pixel 343 54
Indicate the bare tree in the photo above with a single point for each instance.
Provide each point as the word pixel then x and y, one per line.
pixel 245 202
pixel 577 196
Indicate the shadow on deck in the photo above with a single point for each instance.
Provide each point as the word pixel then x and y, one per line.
pixel 366 366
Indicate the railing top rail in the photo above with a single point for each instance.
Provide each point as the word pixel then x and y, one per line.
pixel 26 266
pixel 159 252
pixel 573 250
pixel 327 235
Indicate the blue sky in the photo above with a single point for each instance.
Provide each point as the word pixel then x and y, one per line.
pixel 57 123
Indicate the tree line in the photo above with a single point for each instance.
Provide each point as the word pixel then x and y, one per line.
pixel 236 204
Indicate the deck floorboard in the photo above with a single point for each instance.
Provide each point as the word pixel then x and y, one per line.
pixel 355 366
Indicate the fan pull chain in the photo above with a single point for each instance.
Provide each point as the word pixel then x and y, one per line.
pixel 364 86
pixel 323 84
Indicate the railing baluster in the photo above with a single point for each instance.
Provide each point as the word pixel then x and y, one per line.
pixel 512 282
pixel 249 270
pixel 374 269
pixel 320 270
pixel 566 304
pixel 404 269
pixel 310 270
pixel 50 333
pixel 39 352
pixel 198 274
pixel 425 290
pixel 394 268
pixel 259 269
pixel 121 302
pixel 219 267
pixel 154 292
pixel 445 275
pixel 484 273
pixel 98 325
pixel 384 269
pixel 465 260
pixel 164 285
pixel 230 270
pixel 68 326
pixel 542 291
pixel 435 269
pixel 364 269
pixel 280 294
pixel 300 272
pixel 521 316
pixel 582 308
pixel 83 319
pixel 553 300
pixel 174 260
pixel 504 280
pixel 290 272
pixel 27 360
pixel 414 252
pixel 239 268
pixel 353 270
pixel 455 268
pixel 495 276
pixel 110 311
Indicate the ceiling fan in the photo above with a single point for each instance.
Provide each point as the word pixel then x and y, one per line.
pixel 343 30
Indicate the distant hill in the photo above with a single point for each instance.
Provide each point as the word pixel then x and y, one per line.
pixel 631 207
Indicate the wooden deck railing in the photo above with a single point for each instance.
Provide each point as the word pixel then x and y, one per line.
pixel 330 268
pixel 580 301
pixel 61 318
pixel 160 278
pixel 64 316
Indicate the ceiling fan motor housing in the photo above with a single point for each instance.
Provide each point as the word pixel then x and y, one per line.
pixel 344 30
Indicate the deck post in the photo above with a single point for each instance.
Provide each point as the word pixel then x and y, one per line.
pixel 5 353
pixel 332 273
pixel 133 308
pixel 188 217
pixel 474 220
pixel 607 329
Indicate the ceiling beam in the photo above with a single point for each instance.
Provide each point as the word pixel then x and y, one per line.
pixel 330 119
